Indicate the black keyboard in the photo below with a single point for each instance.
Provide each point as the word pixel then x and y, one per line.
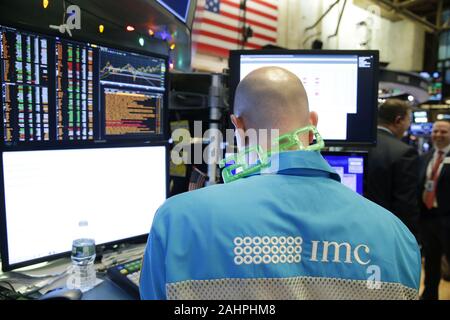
pixel 126 275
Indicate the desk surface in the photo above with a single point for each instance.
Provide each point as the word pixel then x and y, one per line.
pixel 106 290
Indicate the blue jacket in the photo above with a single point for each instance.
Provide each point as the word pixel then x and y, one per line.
pixel 294 232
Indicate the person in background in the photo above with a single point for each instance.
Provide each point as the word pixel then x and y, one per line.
pixel 393 165
pixel 434 198
pixel 290 231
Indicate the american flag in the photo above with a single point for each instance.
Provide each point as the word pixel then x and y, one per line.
pixel 219 23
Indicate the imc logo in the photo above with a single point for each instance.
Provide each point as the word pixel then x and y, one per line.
pixel 72 22
pixel 288 250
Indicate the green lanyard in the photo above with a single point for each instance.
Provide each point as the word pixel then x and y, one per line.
pixel 240 168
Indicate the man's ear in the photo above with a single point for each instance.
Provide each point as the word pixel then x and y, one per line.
pixel 398 119
pixel 237 122
pixel 239 131
pixel 313 119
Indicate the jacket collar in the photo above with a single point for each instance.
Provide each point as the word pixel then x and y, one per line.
pixel 300 163
pixel 386 130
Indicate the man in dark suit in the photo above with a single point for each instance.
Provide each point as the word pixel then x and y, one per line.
pixel 434 194
pixel 393 165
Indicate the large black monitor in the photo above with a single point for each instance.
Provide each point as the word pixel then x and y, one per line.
pixel 351 167
pixel 342 87
pixel 47 192
pixel 182 9
pixel 54 90
pixel 83 137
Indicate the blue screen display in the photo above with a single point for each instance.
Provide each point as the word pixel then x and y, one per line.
pixel 350 168
pixel 179 8
pixel 421 129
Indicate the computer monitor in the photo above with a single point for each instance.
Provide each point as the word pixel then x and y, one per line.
pixel 83 137
pixel 421 129
pixel 435 85
pixel 420 117
pixel 55 90
pixel 351 167
pixel 179 8
pixel 47 192
pixel 342 87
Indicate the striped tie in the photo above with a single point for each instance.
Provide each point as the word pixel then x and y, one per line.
pixel 429 196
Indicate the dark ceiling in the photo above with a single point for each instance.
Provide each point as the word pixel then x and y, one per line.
pixel 428 13
pixel 424 8
pixel 115 15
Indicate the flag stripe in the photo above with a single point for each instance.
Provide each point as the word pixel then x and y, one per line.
pixel 228 39
pixel 218 25
pixel 260 8
pixel 267 4
pixel 249 9
pixel 236 24
pixel 250 19
pixel 209 23
pixel 203 47
pixel 219 42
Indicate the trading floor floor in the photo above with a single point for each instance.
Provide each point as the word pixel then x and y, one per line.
pixel 444 288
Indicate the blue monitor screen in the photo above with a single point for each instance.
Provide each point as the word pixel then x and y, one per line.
pixel 350 168
pixel 421 129
pixel 435 85
pixel 178 8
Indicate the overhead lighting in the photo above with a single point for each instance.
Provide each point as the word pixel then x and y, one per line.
pixel 151 32
pixel 141 41
pixel 45 4
pixel 410 98
pixel 130 28
pixel 172 46
pixel 101 28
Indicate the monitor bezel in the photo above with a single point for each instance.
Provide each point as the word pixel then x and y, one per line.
pixel 7 266
pixel 164 136
pixel 234 78
pixel 358 153
pixel 189 16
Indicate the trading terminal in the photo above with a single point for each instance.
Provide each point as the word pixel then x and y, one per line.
pixel 91 108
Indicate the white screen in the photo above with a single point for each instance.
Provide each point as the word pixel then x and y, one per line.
pixel 47 193
pixel 331 83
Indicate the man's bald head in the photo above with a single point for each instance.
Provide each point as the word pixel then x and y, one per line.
pixel 272 98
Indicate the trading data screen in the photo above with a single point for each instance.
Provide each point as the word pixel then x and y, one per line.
pixel 55 91
pixel 26 83
pixel 341 88
pixel 132 91
pixel 351 169
pixel 75 91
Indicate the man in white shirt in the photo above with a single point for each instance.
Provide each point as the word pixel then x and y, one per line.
pixel 434 191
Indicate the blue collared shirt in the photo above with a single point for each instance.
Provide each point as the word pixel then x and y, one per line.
pixel 292 232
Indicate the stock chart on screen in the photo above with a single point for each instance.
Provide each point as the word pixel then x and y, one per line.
pixel 132 90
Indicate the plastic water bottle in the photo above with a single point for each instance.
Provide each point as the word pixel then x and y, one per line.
pixel 83 256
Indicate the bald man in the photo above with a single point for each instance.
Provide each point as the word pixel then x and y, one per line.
pixel 290 231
